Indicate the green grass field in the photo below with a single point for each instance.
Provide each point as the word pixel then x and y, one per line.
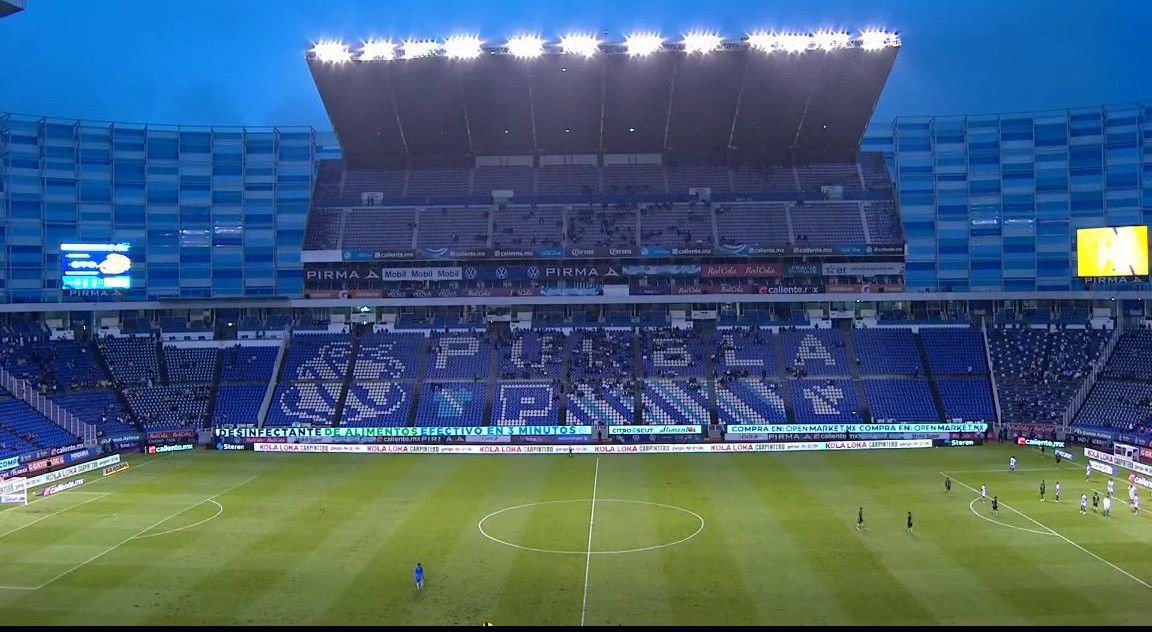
pixel 246 538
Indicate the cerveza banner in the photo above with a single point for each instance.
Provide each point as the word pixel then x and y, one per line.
pixel 430 431
pixel 857 428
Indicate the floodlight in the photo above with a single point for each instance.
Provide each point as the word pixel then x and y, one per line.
pixel 462 47
pixel 831 40
pixel 793 42
pixel 419 48
pixel 332 51
pixel 762 40
pixel 526 46
pixel 701 42
pixel 580 44
pixel 642 44
pixel 383 50
pixel 877 39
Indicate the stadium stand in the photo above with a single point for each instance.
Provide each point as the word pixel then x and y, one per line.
pixel 1038 370
pixel 594 402
pixel 1122 398
pixel 190 364
pixel 451 404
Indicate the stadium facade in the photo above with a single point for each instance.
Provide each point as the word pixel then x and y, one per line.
pixel 993 202
pixel 988 203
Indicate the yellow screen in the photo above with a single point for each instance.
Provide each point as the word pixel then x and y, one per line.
pixel 1114 251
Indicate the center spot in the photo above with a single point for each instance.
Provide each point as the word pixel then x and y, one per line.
pixel 621 526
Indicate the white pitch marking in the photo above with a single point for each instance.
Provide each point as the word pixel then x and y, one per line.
pixel 149 528
pixel 588 560
pixel 1062 537
pixel 219 510
pixel 480 526
pixel 972 506
pixel 97 496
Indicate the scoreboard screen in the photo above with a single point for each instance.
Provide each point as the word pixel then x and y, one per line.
pixel 1115 251
pixel 95 266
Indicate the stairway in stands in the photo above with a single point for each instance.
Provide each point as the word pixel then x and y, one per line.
pixel 936 399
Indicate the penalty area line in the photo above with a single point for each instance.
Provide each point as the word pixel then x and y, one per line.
pixel 1059 535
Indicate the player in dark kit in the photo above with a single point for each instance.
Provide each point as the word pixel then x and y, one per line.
pixel 947 485
pixel 1043 486
pixel 995 505
pixel 909 522
pixel 1095 501
pixel 860 519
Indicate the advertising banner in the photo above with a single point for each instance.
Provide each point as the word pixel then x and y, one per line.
pixel 1103 467
pixel 862 269
pixel 933 428
pixel 1113 459
pixel 55 489
pixel 863 288
pixel 7 464
pixel 418 431
pixel 68 472
pixel 636 448
pixel 178 447
pixel 653 430
pixel 754 270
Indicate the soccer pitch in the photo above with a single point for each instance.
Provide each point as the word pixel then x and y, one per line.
pixel 246 538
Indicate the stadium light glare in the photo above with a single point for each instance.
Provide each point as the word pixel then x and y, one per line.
pixel 580 44
pixel 876 39
pixel 831 40
pixel 793 42
pixel 701 42
pixel 643 44
pixel 332 51
pixel 762 40
pixel 382 50
pixel 419 48
pixel 526 46
pixel 463 47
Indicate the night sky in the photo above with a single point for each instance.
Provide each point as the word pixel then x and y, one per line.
pixel 241 62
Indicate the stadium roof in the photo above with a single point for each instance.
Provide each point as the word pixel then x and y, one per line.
pixel 757 98
pixel 8 7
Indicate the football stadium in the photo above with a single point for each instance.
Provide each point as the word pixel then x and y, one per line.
pixel 594 329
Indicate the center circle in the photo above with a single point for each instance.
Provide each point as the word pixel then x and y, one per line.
pixel 694 521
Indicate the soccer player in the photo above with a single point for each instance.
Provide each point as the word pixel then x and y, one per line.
pixel 1057 491
pixel 860 519
pixel 1111 487
pixel 995 505
pixel 1043 487
pixel 1012 465
pixel 1095 501
pixel 1088 471
pixel 909 522
pixel 569 451
pixel 1057 456
pixel 983 492
pixel 947 485
pixel 1136 503
pixel 1107 505
pixel 1083 504
pixel 418 575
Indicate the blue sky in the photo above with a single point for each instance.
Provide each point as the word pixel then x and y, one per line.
pixel 241 62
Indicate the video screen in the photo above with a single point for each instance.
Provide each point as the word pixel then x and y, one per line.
pixel 1112 251
pixel 95 266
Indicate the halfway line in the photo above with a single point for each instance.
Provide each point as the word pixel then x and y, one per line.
pixel 588 561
